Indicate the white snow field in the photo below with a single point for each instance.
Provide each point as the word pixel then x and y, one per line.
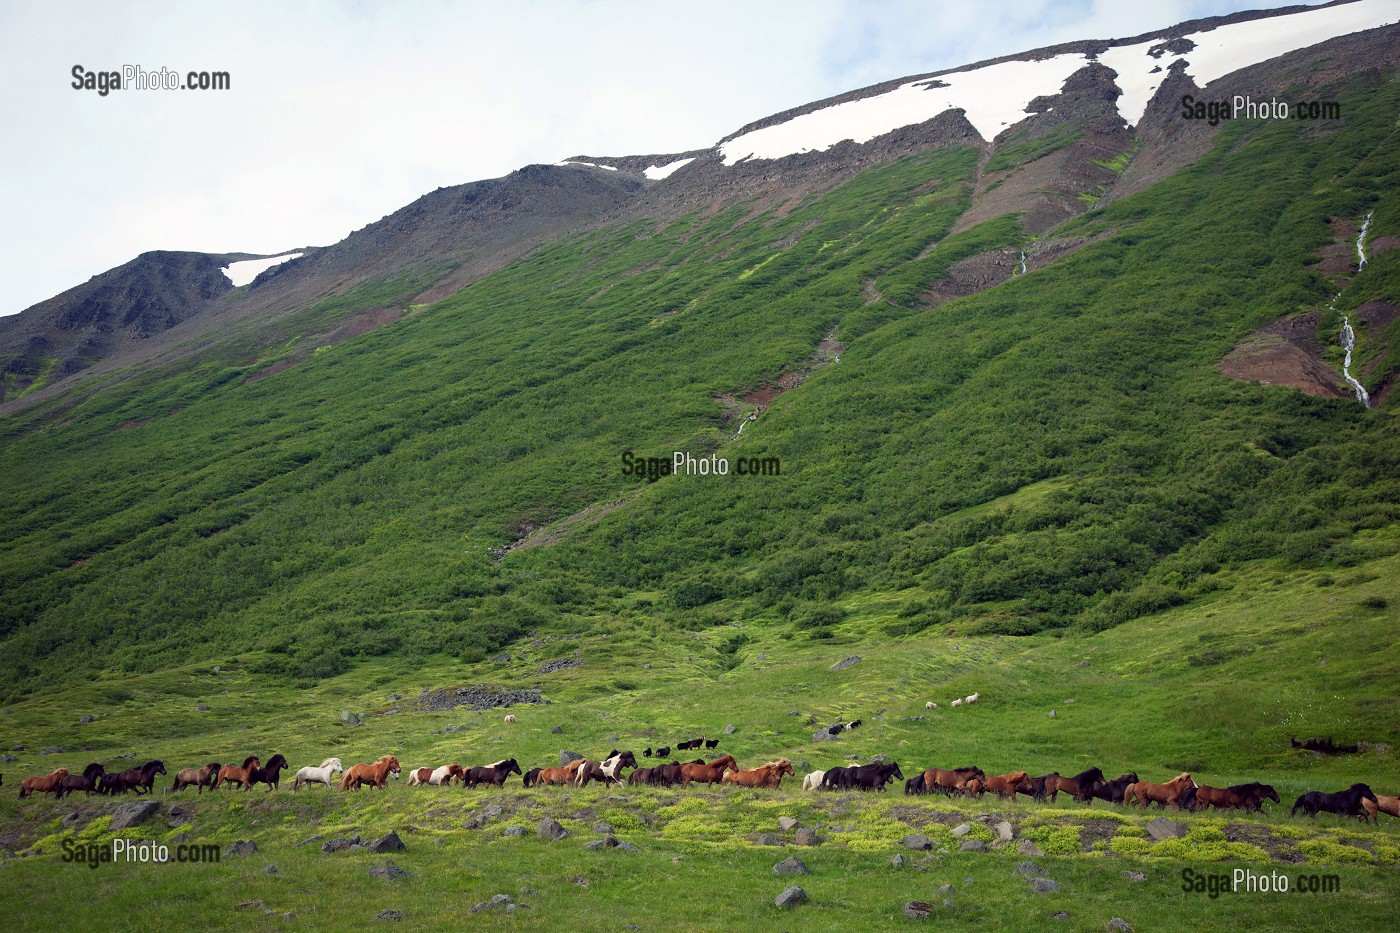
pixel 241 273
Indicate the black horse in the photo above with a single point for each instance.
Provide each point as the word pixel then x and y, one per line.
pixel 270 773
pixel 873 777
pixel 495 775
pixel 837 778
pixel 1343 802
pixel 1037 788
pixel 915 785
pixel 528 778
pixel 139 779
pixel 1112 791
pixel 88 781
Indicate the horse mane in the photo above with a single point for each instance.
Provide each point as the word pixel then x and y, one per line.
pixel 250 761
pixel 496 764
pixel 213 766
pixel 150 766
pixel 94 770
pixel 332 761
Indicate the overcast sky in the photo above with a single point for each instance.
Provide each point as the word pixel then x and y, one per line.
pixel 342 112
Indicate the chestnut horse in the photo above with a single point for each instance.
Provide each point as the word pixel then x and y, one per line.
pixel 47 784
pixel 711 773
pixel 243 774
pixel 1081 786
pixel 1237 796
pixel 197 777
pixel 945 782
pixel 553 776
pixel 1144 792
pixel 1006 785
pixel 1382 804
pixel 87 781
pixel 376 774
pixel 769 775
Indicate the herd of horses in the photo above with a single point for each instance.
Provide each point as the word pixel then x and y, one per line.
pixel 1181 792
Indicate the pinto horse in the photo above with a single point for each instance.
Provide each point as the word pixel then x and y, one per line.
pixel 197 777
pixel 45 784
pixel 493 774
pixel 270 773
pixel 437 776
pixel 325 774
pixel 243 774
pixel 376 774
pixel 711 773
pixel 769 775
pixel 813 781
pixel 606 771
pixel 87 781
pixel 1344 802
pixel 1144 792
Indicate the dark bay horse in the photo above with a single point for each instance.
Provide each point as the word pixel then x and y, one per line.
pixel 1081 785
pixel 88 781
pixel 493 774
pixel 269 773
pixel 142 779
pixel 1343 802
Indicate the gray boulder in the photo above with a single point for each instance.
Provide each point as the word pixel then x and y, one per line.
pixel 1044 886
pixel 805 836
pixel 1163 828
pixel 133 814
pixel 791 866
pixel 973 845
pixel 241 847
pixel 916 841
pixel 388 843
pixel 389 871
pixel 565 757
pixel 790 897
pixel 844 663
pixel 350 719
pixel 550 828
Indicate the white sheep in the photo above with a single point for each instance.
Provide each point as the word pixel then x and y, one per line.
pixel 956 703
pixel 930 705
pixel 974 698
pixel 510 717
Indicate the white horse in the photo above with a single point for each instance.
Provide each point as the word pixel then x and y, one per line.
pixel 325 774
pixel 813 781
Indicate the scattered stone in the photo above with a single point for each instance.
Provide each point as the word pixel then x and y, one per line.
pixel 249 905
pixel 762 656
pixel 805 836
pixel 1029 870
pixel 1052 714
pixel 394 696
pixel 844 663
pixel 1026 847
pixel 1163 828
pixel 1083 663
pixel 1059 915
pixel 791 866
pixel 1121 925
pixel 898 861
pixel 513 831
pixel 85 748
pixel 603 827
pixel 791 712
pixel 492 811
pixel 53 750
pixel 502 658
pixel 85 720
pixel 787 822
pixel 389 870
pixel 962 829
pixel 270 870
pixel 388 843
pixel 341 844
pixel 241 847
pixel 388 915
pixel 916 841
pixel 729 729
pixel 1004 831
pixel 550 828
pixel 566 757
pixel 946 889
pixel 627 847
pixel 133 814
pixel 1044 886
pixel 973 845
pixel 918 910
pixel 1135 875
pixel 350 719
pixel 75 817
pixel 822 736
pixel 790 897
pixel 16 748
pixel 8 758
pixel 768 839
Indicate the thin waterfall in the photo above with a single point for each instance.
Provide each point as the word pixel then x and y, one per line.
pixel 1361 243
pixel 1348 344
pixel 1021 270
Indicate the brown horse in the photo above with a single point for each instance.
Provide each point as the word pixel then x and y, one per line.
pixel 1081 786
pixel 1235 797
pixel 493 774
pixel 270 773
pixel 943 781
pixel 201 778
pixel 1383 804
pixel 47 784
pixel 1006 785
pixel 554 776
pixel 769 775
pixel 86 782
pixel 1144 792
pixel 141 780
pixel 376 774
pixel 711 773
pixel 243 774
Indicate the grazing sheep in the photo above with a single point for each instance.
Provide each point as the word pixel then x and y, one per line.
pixel 510 717
pixel 930 705
pixel 974 698
pixel 956 703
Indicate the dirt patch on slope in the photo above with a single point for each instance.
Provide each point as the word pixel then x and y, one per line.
pixel 1286 353
pixel 973 274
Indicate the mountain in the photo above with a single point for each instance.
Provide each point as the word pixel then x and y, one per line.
pixel 1003 341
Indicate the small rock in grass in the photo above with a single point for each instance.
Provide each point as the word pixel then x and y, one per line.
pixel 249 905
pixel 1029 870
pixel 916 841
pixel 389 870
pixel 388 843
pixel 786 822
pixel 790 897
pixel 918 910
pixel 805 836
pixel 791 866
pixel 1044 886
pixel 1004 831
pixel 1135 875
pixel 270 870
pixel 1026 847
pixel 898 861
pixel 1121 925
pixel 962 829
pixel 389 915
pixel 242 847
pixel 550 828
pixel 973 845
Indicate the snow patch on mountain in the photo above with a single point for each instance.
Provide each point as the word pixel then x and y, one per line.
pixel 611 168
pixel 658 172
pixel 995 96
pixel 241 273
